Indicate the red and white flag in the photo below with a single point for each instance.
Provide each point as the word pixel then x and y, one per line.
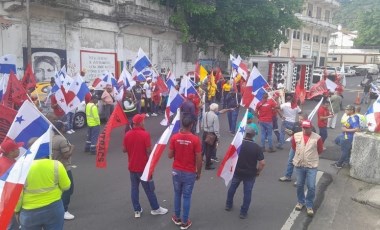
pixel 159 147
pixel 228 165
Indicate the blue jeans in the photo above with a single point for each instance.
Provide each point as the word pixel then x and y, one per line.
pixel 323 133
pixel 308 176
pixel 365 98
pixel 284 125
pixel 232 118
pixel 49 217
pixel 92 138
pixel 266 129
pixel 275 128
pixel 290 166
pixel 345 148
pixel 338 140
pixel 138 105
pixel 247 190
pixel 67 194
pixel 69 120
pixel 148 188
pixel 183 183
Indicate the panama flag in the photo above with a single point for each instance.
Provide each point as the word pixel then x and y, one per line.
pixel 141 61
pixel 159 147
pixel 171 80
pixel 3 85
pixel 239 66
pixel 12 182
pixel 256 79
pixel 175 101
pixel 228 165
pixel 8 64
pixel 28 123
pixel 187 86
pixel 373 116
pixel 126 79
pixel 374 89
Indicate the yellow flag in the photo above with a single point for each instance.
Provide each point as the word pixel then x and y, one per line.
pixel 202 73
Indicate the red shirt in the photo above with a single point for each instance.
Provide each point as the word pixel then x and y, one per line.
pixel 323 112
pixel 58 111
pixel 5 164
pixel 136 142
pixel 185 146
pixel 265 110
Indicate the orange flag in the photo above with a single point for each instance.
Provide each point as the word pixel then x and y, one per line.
pixel 117 119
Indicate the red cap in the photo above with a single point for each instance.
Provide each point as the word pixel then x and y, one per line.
pixel 306 124
pixel 138 118
pixel 9 145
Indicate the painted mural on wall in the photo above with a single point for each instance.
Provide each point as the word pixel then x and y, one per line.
pixel 96 63
pixel 45 62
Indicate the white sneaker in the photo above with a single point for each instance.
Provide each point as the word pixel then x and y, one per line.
pixel 154 114
pixel 138 213
pixel 159 211
pixel 68 216
pixel 147 115
pixel 72 131
pixel 69 132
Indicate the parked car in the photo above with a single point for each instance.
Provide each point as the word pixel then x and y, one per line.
pixel 362 70
pixel 349 71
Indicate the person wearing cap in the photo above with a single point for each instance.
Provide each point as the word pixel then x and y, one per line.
pixel 108 99
pixel 249 165
pixel 233 103
pixel 307 146
pixel 323 115
pixel 264 111
pixel 289 114
pixel 148 97
pixel 186 150
pixel 137 92
pixel 93 125
pixel 225 91
pixel 10 150
pixel 62 152
pixel 350 126
pixel 137 145
pixel 40 205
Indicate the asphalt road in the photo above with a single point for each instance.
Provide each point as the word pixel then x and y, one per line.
pixel 102 200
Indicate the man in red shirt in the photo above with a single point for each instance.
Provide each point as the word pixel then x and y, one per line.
pixel 185 148
pixel 137 145
pixel 9 152
pixel 264 112
pixel 323 116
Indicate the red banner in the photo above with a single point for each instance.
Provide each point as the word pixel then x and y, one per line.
pixel 7 116
pixel 117 119
pixel 29 80
pixel 15 94
pixel 317 89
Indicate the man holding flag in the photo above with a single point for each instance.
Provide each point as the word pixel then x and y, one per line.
pixel 246 171
pixel 185 148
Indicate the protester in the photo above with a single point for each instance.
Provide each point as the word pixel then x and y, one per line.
pixel 233 101
pixel 108 99
pixel 264 111
pixel 362 118
pixel 129 108
pixel 9 152
pixel 93 124
pixel 40 205
pixel 246 171
pixel 210 124
pixel 335 101
pixel 274 116
pixel 289 114
pixel 251 124
pixel 366 84
pixel 226 90
pixel 57 110
pixel 350 126
pixel 137 144
pixel 188 109
pixel 185 148
pixel 323 115
pixel 62 152
pixel 148 97
pixel 137 92
pixel 307 146
pixel 69 121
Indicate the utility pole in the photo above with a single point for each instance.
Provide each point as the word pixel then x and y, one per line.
pixel 28 34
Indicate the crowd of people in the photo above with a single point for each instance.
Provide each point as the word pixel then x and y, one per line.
pixel 195 145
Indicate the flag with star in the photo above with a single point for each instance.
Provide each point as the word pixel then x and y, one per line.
pixel 228 165
pixel 29 79
pixel 29 123
pixel 373 116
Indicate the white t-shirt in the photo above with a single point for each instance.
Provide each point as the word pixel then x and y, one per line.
pixel 148 90
pixel 289 113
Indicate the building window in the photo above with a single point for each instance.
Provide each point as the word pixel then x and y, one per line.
pixel 327 16
pixel 310 10
pixel 324 40
pixel 306 37
pixel 285 32
pixel 296 34
pixel 334 58
pixel 315 38
pixel 319 12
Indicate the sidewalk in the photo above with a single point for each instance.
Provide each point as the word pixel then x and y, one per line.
pixel 338 210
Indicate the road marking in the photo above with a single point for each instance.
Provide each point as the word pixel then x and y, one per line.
pixel 294 214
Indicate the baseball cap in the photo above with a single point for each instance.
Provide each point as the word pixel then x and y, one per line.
pixel 148 78
pixel 350 107
pixel 249 130
pixel 250 115
pixel 9 145
pixel 306 124
pixel 138 118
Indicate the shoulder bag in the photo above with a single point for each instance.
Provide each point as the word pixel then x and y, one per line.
pixel 210 136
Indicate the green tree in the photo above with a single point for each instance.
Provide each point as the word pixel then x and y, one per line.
pixel 240 26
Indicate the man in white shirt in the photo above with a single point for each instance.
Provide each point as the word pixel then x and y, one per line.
pixel 289 114
pixel 148 99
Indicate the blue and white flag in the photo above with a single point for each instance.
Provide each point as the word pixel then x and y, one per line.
pixel 171 80
pixel 3 85
pixel 373 116
pixel 126 79
pixel 8 64
pixel 142 61
pixel 174 102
